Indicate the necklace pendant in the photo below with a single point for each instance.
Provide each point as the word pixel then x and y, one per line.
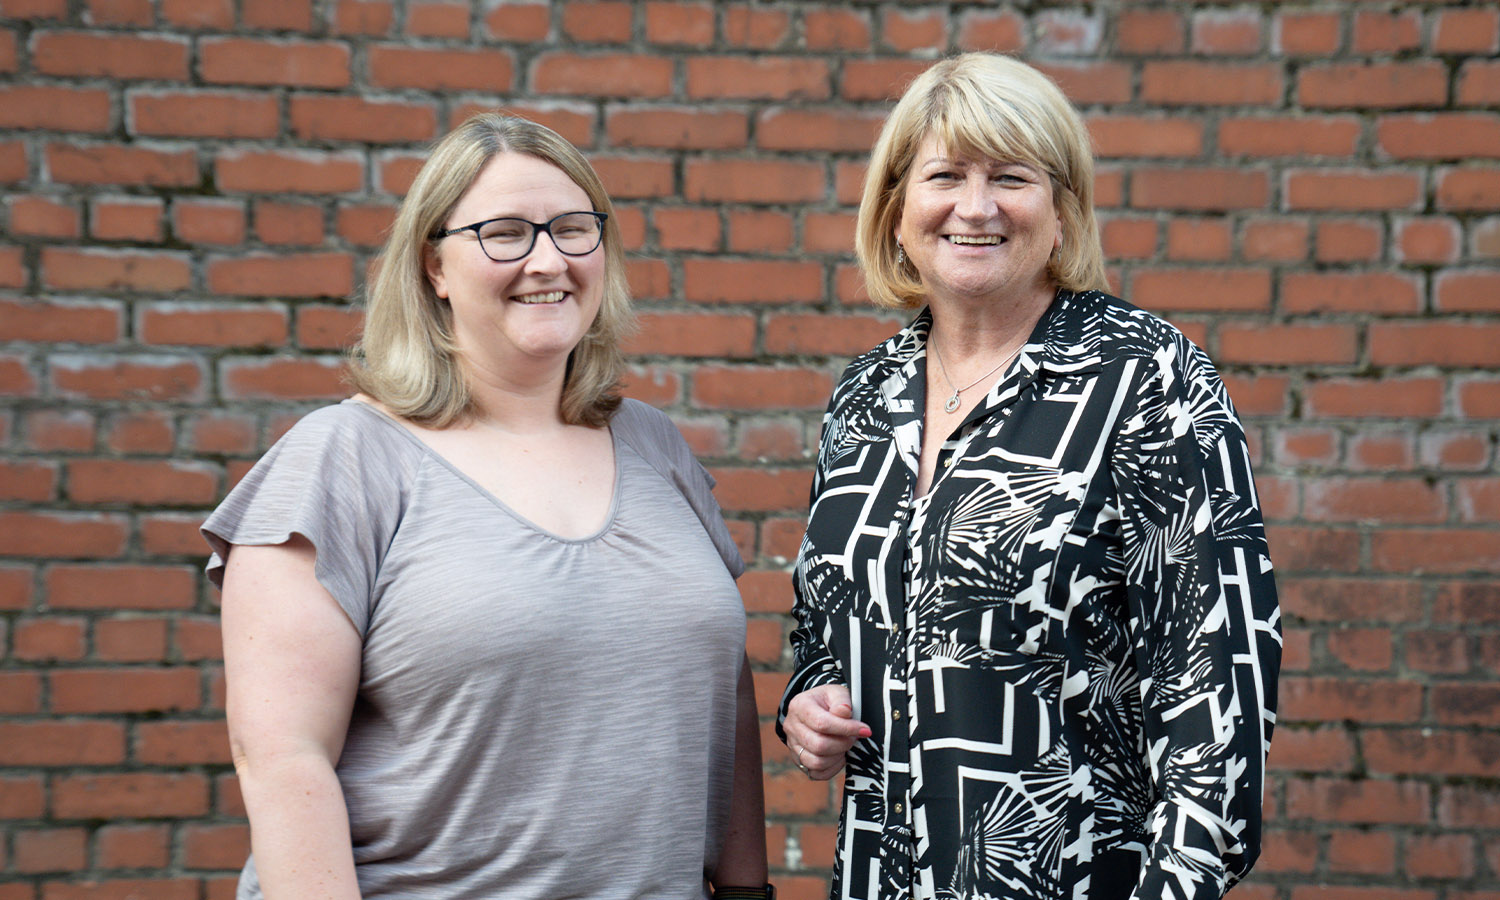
pixel 951 403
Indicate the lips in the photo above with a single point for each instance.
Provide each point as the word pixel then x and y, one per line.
pixel 541 297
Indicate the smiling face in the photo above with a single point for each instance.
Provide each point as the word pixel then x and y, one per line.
pixel 514 316
pixel 978 228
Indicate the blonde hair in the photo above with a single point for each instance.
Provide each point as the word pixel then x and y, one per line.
pixel 408 358
pixel 981 104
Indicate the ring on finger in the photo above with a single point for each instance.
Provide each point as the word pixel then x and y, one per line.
pixel 800 764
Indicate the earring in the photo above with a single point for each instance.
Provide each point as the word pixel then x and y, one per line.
pixel 900 255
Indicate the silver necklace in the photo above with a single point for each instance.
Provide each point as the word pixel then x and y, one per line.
pixel 951 403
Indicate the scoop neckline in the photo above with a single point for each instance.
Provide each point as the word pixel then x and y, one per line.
pixel 616 478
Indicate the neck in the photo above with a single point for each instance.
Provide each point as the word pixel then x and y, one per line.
pixel 969 334
pixel 528 401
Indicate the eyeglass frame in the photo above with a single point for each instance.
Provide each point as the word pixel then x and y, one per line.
pixel 537 228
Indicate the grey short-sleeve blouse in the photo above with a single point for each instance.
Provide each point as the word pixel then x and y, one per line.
pixel 537 717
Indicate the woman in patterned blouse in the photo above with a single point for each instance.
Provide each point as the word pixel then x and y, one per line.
pixel 1037 621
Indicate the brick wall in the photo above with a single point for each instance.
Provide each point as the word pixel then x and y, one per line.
pixel 192 189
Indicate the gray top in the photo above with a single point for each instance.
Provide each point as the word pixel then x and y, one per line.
pixel 537 716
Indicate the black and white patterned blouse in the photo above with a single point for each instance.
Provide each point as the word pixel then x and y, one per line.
pixel 1067 649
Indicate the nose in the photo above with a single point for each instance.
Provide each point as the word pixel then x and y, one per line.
pixel 545 258
pixel 975 203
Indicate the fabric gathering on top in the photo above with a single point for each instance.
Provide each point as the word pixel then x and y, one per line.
pixel 517 688
pixel 1067 649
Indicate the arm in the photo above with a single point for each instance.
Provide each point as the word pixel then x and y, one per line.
pixel 292 662
pixel 742 862
pixel 1205 626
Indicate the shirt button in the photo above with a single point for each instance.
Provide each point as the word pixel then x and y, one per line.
pixel 947 462
pixel 898 808
pixel 895 713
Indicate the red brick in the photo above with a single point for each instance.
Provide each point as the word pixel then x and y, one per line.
pixel 1454 449
pixel 610 75
pixel 1362 649
pixel 1287 851
pixel 38 216
pixel 59 431
pixel 130 795
pixel 13 162
pixel 20 693
pixel 810 334
pixel 171 534
pixel 61 534
pixel 1469 806
pixel 182 743
pixel 1433 240
pixel 1353 190
pixel 141 482
pixel 54 108
pixel 365 225
pixel 687 334
pixel 1288 344
pixel 1326 748
pixel 204 114
pixel 652 384
pixel 1349 241
pixel 438 20
pixel 1378 33
pixel 288 171
pixel 1465 703
pixel 1092 82
pixel 782 128
pixel 1449 344
pixel 760 231
pixel 39 321
pixel 752 181
pixel 1202 289
pixel 309 64
pixel 1266 136
pixel 522 22
pixel 672 128
pixel 730 281
pixel 491 71
pixel 1333 699
pixel 1478 398
pixel 1430 751
pixel 1068 32
pixel 761 29
pixel 1459 30
pixel 1376 292
pixel 1124 137
pixel 1450 136
pixel 331 118
pixel 1468 189
pixel 268 378
pixel 127 219
pixel 121 56
pixel 1362 852
pixel 130 640
pixel 278 15
pixel 215 846
pixel 878 79
pixel 1439 856
pixel 49 850
pixel 917 29
pixel 1369 801
pixel 21 797
pixel 760 387
pixel 199 15
pixel 198 638
pixel 1372 85
pixel 1150 32
pixel 124 889
pixel 133 846
pixel 1478 83
pixel 1174 83
pixel 122 690
pixel 1468 291
pixel 597 21
pixel 51 638
pixel 762 490
pixel 1198 189
pixel 327 327
pixel 1226 33
pixel 208 221
pixel 1383 398
pixel 291 275
pixel 680 24
pixel 757 78
pixel 127 377
pixel 1431 551
pixel 836 29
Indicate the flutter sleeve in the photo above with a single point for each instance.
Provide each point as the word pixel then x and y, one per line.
pixel 334 479
pixel 1205 623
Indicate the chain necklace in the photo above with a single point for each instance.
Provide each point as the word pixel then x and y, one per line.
pixel 951 403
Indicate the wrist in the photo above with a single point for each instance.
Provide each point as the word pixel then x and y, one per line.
pixel 764 892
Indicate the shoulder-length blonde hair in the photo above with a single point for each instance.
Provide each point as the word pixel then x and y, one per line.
pixel 980 104
pixel 408 358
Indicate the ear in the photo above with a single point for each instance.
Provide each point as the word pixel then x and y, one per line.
pixel 432 264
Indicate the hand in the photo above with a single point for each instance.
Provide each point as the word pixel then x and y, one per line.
pixel 820 728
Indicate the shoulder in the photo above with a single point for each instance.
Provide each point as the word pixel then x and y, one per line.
pixel 643 423
pixel 351 436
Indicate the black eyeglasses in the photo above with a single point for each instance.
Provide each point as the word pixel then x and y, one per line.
pixel 507 240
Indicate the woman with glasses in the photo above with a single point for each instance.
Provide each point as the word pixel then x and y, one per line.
pixel 446 599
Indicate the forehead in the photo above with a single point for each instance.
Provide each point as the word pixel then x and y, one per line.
pixel 520 185
pixel 934 147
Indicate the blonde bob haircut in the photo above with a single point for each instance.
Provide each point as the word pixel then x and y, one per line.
pixel 991 106
pixel 408 357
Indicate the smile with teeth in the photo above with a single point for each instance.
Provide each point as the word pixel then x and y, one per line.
pixel 544 297
pixel 974 238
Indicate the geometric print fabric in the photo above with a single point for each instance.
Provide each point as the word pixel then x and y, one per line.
pixel 1067 649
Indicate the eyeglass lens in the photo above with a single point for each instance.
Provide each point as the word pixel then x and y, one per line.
pixel 574 234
